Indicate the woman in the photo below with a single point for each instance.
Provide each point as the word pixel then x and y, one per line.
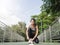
pixel 32 31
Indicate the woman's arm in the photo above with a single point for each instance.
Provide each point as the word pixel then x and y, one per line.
pixel 36 32
pixel 27 33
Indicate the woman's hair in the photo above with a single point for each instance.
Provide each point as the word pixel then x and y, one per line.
pixel 33 20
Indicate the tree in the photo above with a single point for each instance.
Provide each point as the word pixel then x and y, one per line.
pixel 20 28
pixel 45 19
pixel 51 7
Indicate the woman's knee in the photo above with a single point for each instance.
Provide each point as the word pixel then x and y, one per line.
pixel 36 40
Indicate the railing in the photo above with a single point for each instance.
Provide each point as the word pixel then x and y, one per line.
pixel 51 34
pixel 8 35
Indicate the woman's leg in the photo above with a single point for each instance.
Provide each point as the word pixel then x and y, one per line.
pixel 36 40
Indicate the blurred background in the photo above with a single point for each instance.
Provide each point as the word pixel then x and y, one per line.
pixel 15 16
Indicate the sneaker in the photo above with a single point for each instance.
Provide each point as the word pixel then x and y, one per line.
pixel 30 42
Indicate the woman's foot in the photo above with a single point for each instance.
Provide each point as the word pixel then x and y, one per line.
pixel 30 42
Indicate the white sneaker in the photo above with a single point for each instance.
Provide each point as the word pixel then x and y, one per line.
pixel 30 42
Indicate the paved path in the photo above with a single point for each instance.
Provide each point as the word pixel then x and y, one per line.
pixel 25 43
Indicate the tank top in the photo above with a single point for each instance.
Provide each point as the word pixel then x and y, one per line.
pixel 31 32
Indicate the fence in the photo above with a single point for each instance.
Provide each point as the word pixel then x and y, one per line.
pixel 52 34
pixel 8 35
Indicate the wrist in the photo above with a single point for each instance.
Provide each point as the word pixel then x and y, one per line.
pixel 33 38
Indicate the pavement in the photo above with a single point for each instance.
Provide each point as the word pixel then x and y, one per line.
pixel 25 43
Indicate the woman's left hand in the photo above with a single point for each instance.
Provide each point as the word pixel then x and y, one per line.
pixel 31 39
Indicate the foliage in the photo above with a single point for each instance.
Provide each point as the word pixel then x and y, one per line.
pixel 20 28
pixel 43 20
pixel 51 6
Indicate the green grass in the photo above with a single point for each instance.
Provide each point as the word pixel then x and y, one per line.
pixel 25 43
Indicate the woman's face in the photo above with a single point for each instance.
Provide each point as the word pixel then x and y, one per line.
pixel 32 22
